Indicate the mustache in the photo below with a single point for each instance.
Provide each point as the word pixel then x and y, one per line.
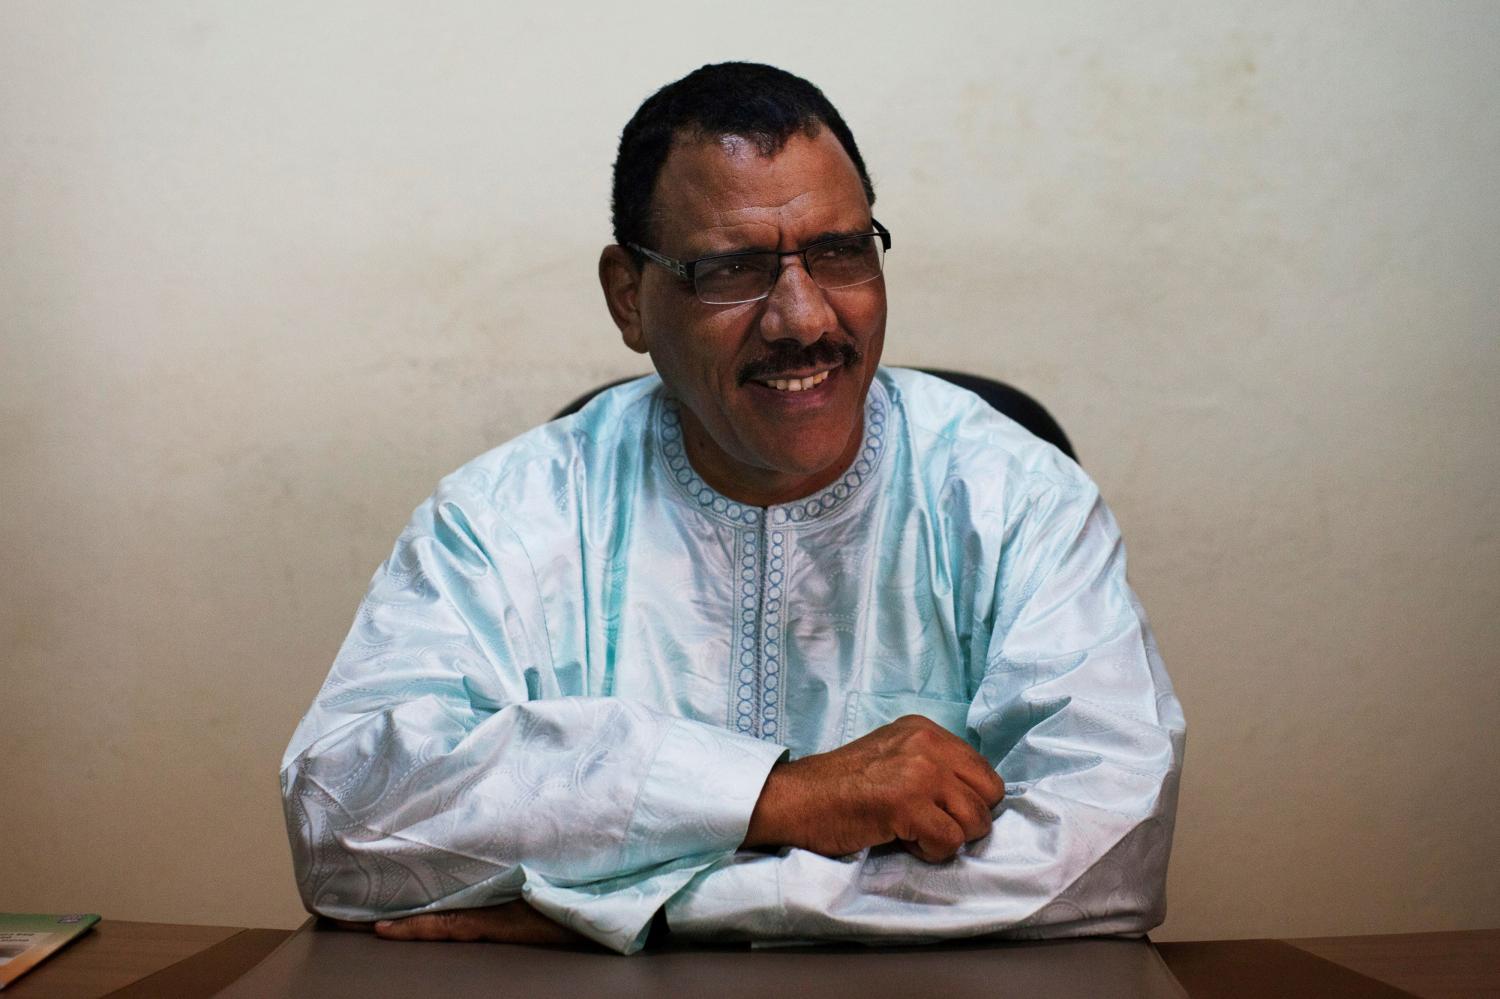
pixel 788 355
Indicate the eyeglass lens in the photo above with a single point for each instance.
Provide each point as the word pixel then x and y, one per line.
pixel 745 277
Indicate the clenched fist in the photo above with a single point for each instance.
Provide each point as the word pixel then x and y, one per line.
pixel 911 781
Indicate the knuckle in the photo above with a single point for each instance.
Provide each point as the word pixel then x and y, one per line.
pixel 922 731
pixel 927 733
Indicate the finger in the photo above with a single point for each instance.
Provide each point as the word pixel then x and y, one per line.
pixel 425 926
pixel 512 922
pixel 982 778
pixel 937 836
pixel 497 923
pixel 968 810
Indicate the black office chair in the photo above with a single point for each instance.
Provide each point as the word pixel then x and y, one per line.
pixel 1006 398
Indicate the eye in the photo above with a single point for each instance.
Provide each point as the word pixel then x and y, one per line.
pixel 736 267
pixel 841 249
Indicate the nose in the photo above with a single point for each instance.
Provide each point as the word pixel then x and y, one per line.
pixel 797 309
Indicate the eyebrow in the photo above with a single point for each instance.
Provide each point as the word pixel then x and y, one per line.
pixel 826 234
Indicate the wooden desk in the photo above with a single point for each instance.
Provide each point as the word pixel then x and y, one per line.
pixel 136 960
pixel 1431 965
pixel 1436 965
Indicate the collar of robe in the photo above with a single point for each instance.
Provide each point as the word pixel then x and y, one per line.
pixel 819 506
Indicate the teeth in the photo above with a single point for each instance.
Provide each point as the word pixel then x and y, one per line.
pixel 798 384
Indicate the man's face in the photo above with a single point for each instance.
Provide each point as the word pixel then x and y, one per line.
pixel 751 440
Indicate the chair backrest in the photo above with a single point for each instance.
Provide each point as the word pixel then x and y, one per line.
pixel 1006 398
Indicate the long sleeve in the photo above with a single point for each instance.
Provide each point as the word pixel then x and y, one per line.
pixel 448 762
pixel 1075 709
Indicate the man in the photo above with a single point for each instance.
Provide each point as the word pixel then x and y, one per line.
pixel 749 646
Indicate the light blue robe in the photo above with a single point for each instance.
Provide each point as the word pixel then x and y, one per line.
pixel 574 672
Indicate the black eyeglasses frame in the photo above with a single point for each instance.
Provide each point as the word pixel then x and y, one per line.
pixel 687 269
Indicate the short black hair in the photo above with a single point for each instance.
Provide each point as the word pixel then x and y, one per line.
pixel 757 102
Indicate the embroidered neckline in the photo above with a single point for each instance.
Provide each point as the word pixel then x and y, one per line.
pixel 825 502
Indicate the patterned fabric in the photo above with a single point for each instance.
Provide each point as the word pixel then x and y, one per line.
pixel 572 676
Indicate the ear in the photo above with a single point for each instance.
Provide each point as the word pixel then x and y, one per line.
pixel 621 280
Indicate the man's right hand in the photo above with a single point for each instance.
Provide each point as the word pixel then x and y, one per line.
pixel 911 781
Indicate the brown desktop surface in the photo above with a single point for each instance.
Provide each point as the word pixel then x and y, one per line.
pixel 324 962
pixel 208 971
pixel 1255 969
pixel 1462 964
pixel 1456 964
pixel 114 954
pixel 125 959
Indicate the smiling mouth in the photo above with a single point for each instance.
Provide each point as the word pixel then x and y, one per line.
pixel 793 368
pixel 796 384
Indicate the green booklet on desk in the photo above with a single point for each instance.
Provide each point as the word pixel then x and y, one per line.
pixel 28 940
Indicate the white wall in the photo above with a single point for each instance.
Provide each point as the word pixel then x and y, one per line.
pixel 268 270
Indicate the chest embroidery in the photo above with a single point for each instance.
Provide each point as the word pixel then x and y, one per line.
pixel 756 674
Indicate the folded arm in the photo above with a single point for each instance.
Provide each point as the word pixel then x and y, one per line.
pixel 1075 712
pixel 447 764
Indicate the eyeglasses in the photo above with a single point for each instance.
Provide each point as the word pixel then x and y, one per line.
pixel 748 276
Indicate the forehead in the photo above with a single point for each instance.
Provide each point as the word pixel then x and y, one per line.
pixel 721 194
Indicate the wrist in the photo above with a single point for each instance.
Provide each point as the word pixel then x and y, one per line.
pixel 770 821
